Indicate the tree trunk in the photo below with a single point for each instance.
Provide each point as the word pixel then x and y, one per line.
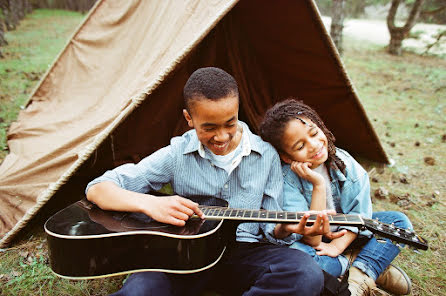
pixel 28 7
pixel 398 34
pixel 2 35
pixel 337 23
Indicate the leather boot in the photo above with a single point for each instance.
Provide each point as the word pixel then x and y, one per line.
pixel 359 283
pixel 394 280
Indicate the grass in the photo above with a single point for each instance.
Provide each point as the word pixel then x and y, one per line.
pixel 31 50
pixel 403 96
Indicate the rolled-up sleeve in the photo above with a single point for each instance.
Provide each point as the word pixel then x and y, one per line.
pixel 151 173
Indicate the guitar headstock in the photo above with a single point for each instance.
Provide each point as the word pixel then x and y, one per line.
pixel 396 234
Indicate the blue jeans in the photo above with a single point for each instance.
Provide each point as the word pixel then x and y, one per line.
pixel 374 256
pixel 246 269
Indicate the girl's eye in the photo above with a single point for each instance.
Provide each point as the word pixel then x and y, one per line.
pixel 315 133
pixel 300 147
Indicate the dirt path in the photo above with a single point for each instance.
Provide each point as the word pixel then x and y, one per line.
pixel 375 31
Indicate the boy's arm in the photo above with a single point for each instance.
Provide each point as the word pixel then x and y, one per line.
pixel 174 210
pixel 124 188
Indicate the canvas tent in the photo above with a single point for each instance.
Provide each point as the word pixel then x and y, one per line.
pixel 114 94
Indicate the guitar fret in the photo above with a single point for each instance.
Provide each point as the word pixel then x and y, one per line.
pixel 291 216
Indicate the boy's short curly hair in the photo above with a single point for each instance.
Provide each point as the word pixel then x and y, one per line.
pixel 209 83
pixel 277 117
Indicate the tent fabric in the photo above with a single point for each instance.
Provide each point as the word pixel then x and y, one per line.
pixel 114 94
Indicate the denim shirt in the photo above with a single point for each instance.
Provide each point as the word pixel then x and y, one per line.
pixel 351 191
pixel 255 183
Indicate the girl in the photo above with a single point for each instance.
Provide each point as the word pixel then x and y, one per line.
pixel 319 176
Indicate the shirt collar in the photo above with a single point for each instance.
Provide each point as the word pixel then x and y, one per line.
pixel 249 142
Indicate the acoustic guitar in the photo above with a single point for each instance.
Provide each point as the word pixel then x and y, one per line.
pixel 86 242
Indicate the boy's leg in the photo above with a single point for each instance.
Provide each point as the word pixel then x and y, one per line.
pixel 164 284
pixel 266 269
pixel 336 266
pixel 374 256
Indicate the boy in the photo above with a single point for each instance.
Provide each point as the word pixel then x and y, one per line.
pixel 219 157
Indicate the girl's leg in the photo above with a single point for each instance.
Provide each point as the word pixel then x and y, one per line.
pixel 375 256
pixel 336 266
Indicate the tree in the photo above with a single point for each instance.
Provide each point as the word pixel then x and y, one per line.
pixel 337 23
pixel 398 34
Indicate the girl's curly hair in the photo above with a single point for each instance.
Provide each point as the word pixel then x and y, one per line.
pixel 276 118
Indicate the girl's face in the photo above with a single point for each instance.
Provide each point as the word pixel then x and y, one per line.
pixel 304 141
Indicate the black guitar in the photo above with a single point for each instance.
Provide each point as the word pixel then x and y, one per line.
pixel 87 242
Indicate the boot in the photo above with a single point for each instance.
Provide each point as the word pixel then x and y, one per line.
pixel 359 283
pixel 394 280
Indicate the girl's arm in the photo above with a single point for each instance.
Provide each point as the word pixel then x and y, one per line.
pixel 318 197
pixel 337 246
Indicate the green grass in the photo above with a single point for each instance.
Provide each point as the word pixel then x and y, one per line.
pixel 31 49
pixel 404 98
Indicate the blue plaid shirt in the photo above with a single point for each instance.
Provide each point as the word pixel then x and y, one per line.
pixel 255 183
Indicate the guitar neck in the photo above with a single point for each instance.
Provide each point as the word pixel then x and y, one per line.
pixel 218 213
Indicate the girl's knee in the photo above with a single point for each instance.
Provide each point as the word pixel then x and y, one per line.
pixel 402 221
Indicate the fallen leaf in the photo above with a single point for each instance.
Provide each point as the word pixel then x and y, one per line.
pixel 381 193
pixel 429 160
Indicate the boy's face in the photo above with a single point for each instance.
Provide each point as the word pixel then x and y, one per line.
pixel 215 123
pixel 304 142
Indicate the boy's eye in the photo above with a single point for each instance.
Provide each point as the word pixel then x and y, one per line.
pixel 300 147
pixel 209 129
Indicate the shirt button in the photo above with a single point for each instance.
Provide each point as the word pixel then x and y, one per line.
pixel 226 186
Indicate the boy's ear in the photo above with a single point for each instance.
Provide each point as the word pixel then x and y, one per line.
pixel 188 118
pixel 285 158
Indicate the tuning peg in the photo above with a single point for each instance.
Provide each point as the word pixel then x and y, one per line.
pixel 380 239
pixel 415 250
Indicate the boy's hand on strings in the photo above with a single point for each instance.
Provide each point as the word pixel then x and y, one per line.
pixel 174 209
pixel 303 170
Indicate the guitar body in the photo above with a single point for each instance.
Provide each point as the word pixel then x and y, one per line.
pixel 86 242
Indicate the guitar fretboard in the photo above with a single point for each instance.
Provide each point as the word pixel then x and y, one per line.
pixel 215 212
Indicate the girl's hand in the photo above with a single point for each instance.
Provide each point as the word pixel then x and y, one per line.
pixel 320 227
pixel 327 250
pixel 302 169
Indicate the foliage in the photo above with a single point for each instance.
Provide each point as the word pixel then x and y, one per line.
pixel 433 11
